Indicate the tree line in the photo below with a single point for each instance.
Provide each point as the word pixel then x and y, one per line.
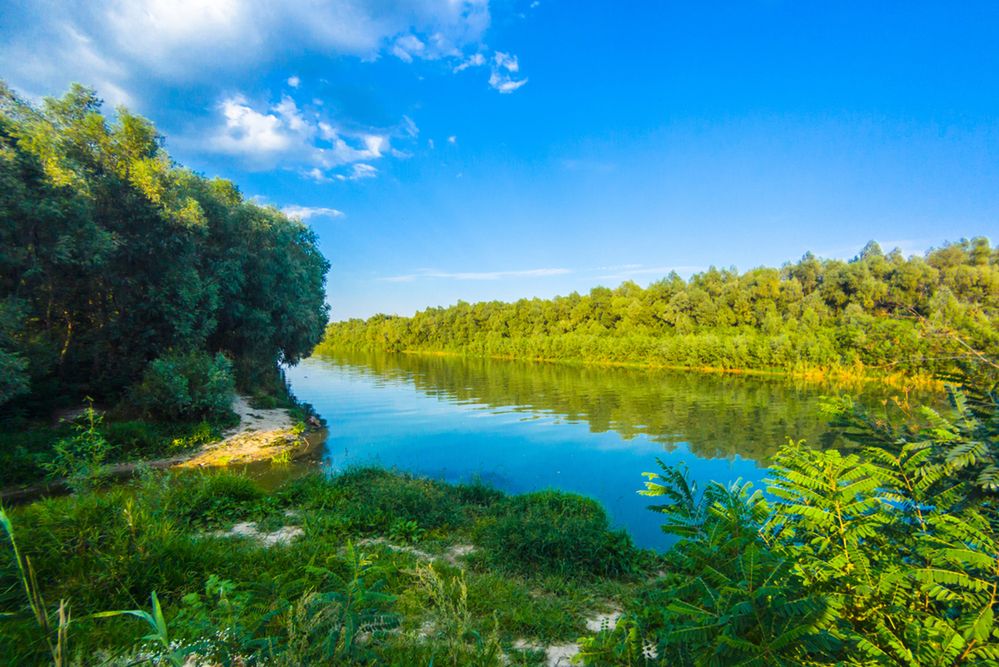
pixel 112 257
pixel 879 311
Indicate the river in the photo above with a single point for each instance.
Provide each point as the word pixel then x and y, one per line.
pixel 527 426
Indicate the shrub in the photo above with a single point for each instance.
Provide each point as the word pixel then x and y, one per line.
pixel 558 533
pixel 80 459
pixel 133 437
pixel 189 386
pixel 210 498
pixel 378 498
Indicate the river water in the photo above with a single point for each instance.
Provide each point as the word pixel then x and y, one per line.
pixel 527 426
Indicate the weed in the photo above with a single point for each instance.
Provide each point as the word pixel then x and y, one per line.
pixel 80 459
pixel 552 532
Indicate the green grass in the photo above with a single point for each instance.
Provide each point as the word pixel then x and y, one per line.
pixel 26 448
pixel 351 575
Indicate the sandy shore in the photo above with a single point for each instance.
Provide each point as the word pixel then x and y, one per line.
pixel 262 435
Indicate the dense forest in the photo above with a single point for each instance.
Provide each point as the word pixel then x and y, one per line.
pixel 882 313
pixel 125 274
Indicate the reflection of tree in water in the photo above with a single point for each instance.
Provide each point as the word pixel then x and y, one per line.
pixel 718 415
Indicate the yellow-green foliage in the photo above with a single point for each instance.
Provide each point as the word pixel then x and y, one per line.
pixel 886 557
pixel 878 312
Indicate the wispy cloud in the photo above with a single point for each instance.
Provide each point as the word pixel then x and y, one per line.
pixel 474 60
pixel 122 45
pixel 630 271
pixel 475 275
pixel 357 172
pixel 504 67
pixel 305 213
pixel 407 47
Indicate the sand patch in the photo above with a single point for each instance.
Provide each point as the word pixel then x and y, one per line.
pixel 453 555
pixel 248 529
pixel 260 436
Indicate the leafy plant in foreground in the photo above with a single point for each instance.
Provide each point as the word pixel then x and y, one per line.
pixel 454 634
pixel 889 557
pixel 54 628
pixel 80 459
pixel 334 627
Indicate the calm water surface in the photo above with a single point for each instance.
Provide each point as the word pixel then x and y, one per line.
pixel 523 427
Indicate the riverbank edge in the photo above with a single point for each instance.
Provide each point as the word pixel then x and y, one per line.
pixel 267 444
pixel 810 374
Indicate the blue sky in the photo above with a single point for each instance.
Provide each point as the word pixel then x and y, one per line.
pixel 467 149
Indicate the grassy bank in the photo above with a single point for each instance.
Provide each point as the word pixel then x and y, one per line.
pixel 887 555
pixel 367 568
pixel 846 377
pixel 94 441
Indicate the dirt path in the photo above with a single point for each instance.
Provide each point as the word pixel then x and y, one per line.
pixel 262 435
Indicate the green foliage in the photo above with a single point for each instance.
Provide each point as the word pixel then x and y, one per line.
pixel 886 313
pixel 315 600
pixel 158 630
pixel 187 387
pixel 455 638
pixel 338 626
pixel 14 378
pixel 555 533
pixel 379 499
pixel 886 558
pixel 405 532
pixel 80 459
pixel 54 629
pixel 113 254
pixel 212 498
pixel 54 626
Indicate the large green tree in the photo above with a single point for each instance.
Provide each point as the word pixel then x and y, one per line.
pixel 112 255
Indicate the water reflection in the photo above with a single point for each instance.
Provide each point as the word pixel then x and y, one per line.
pixel 523 426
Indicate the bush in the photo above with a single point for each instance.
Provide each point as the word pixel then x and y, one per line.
pixel 190 386
pixel 375 499
pixel 211 498
pixel 134 437
pixel 555 533
pixel 80 459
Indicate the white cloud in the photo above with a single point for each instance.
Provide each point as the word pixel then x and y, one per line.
pixel 294 81
pixel 304 213
pixel 358 172
pixel 282 135
pixel 409 126
pixel 474 60
pixel 478 275
pixel 316 174
pixel 452 139
pixel 408 46
pixel 504 67
pixel 125 45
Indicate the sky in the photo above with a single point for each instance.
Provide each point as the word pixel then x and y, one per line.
pixel 478 150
